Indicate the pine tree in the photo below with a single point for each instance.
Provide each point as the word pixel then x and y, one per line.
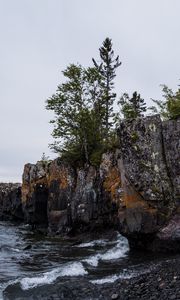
pixel 132 107
pixel 106 69
pixel 44 158
pixel 95 94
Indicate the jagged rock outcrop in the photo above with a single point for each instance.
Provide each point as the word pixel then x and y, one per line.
pixel 63 198
pixel 136 188
pixel 150 175
pixel 10 201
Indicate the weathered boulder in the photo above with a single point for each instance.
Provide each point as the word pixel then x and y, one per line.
pixel 150 176
pixel 10 201
pixel 67 199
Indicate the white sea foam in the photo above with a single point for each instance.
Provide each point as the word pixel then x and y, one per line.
pixel 110 279
pixel 74 269
pixel 125 274
pixel 93 260
pixel 15 250
pixel 118 251
pixel 95 243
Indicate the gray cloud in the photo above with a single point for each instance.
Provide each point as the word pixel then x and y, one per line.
pixel 40 38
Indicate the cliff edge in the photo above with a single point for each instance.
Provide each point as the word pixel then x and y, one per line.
pixel 136 189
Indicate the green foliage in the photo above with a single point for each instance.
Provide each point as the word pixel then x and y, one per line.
pixel 45 160
pixel 106 69
pixel 112 142
pixel 82 106
pixel 134 137
pixel 96 156
pixel 133 107
pixel 169 107
pixel 78 113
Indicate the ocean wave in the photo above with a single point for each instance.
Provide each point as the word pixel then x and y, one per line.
pixel 111 279
pixel 118 251
pixel 93 260
pixel 74 269
pixel 96 243
pixel 125 274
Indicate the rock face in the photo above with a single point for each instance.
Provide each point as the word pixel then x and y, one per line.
pixel 150 175
pixel 136 188
pixel 65 199
pixel 10 201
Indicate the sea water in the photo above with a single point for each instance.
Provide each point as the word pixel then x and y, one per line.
pixel 30 260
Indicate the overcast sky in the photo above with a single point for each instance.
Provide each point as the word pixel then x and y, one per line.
pixel 39 38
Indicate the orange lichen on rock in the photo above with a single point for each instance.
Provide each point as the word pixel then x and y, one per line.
pixel 58 174
pixel 112 183
pixel 132 199
pixel 64 179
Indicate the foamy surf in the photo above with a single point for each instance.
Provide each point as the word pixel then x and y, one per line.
pixel 92 260
pixel 96 243
pixel 92 244
pixel 118 251
pixel 125 274
pixel 74 269
pixel 110 279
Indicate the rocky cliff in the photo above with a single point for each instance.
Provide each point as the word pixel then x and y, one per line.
pixel 136 189
pixel 67 199
pixel 150 175
pixel 10 201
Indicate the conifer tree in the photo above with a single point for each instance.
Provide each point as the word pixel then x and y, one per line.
pixel 107 69
pixel 132 107
pixel 95 93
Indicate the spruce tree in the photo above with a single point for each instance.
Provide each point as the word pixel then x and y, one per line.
pixel 95 94
pixel 107 69
pixel 132 107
